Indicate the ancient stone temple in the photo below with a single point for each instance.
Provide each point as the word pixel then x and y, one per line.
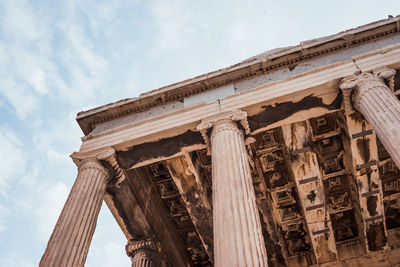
pixel 289 158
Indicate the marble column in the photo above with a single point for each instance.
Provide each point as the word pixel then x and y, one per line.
pixel 238 239
pixel 143 253
pixel 71 237
pixel 369 94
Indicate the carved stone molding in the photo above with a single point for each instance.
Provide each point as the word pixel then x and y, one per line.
pixel 203 128
pixel 369 94
pixel 386 74
pixel 354 87
pixel 347 85
pixel 92 163
pixel 134 247
pixel 143 253
pixel 241 116
pixel 225 125
pixel 106 155
pixel 270 61
pixel 223 118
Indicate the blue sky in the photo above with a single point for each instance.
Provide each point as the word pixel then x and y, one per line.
pixel 60 57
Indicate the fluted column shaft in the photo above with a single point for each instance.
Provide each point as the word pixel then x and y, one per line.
pixel 238 239
pixel 71 237
pixel 379 106
pixel 143 253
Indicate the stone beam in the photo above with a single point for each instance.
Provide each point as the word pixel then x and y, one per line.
pixel 157 215
pixel 319 80
pixel 376 102
pixel 284 212
pixel 266 63
pixel 307 176
pixel 276 253
pixel 194 195
pixel 372 94
pixel 365 169
pixel 126 210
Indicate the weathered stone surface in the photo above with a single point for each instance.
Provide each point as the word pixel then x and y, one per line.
pixel 143 253
pixel 364 161
pixel 306 171
pixel 238 239
pixel 295 183
pixel 140 180
pixel 376 101
pixel 282 58
pixel 71 237
pixel 193 193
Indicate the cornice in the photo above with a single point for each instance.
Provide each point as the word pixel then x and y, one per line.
pixel 144 121
pixel 169 123
pixel 269 61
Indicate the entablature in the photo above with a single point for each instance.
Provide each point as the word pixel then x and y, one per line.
pixel 309 94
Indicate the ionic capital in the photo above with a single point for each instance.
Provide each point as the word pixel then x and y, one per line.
pixel 355 86
pixel 107 156
pixel 133 247
pixel 143 253
pixel 92 163
pixel 223 121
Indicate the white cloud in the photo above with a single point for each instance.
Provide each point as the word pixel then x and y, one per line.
pixel 173 21
pixel 84 68
pixel 57 136
pixel 19 20
pixel 102 16
pixel 4 212
pixel 12 164
pixel 32 69
pixel 29 179
pixel 18 96
pixel 108 245
pixel 38 80
pixel 15 260
pixel 13 158
pixel 130 82
pixel 59 58
pixel 83 48
pixel 4 58
pixel 52 200
pixel 23 56
pixel 107 254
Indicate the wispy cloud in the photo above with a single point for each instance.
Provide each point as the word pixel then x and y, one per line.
pixel 23 60
pixel 18 97
pixel 52 200
pixel 15 261
pixel 174 25
pixel 13 158
pixel 106 252
pixel 60 57
pixel 12 164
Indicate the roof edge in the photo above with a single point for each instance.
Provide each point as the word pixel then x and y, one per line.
pixel 265 62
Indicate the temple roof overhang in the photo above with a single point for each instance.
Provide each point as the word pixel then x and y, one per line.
pixel 270 61
pixel 307 156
